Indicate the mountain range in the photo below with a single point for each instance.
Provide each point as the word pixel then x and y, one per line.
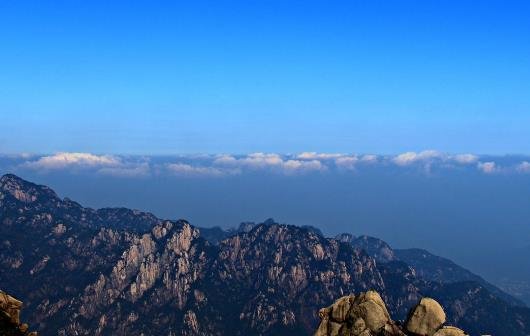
pixel 116 271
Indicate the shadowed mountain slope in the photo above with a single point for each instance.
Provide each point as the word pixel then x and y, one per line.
pixel 82 271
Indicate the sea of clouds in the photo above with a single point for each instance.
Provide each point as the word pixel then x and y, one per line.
pixel 219 165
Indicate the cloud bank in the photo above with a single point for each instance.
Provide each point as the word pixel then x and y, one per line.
pixel 270 161
pixel 65 159
pixel 430 156
pixel 287 164
pixel 183 169
pixel 487 167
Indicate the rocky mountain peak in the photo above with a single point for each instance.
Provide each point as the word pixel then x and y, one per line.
pixel 22 190
pixel 123 218
pixel 377 248
pixel 345 237
pixel 246 227
pixel 11 178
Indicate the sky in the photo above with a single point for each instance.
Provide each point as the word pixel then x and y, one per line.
pixel 164 78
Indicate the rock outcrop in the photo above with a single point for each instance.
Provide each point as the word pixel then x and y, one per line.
pixel 366 315
pixel 10 317
pixel 426 318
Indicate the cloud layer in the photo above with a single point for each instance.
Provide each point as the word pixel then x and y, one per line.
pixel 487 167
pixel 65 159
pixel 270 161
pixel 524 167
pixel 287 164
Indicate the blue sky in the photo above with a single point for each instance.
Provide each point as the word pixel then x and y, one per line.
pixel 273 76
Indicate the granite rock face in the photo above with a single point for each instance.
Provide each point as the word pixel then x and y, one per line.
pixel 367 315
pixel 426 318
pixel 10 317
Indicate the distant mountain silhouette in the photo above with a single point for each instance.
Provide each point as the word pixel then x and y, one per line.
pixel 427 266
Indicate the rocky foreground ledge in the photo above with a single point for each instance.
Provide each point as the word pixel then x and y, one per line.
pixel 366 315
pixel 10 317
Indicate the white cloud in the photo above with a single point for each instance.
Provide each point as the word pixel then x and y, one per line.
pixel 369 158
pixel 183 169
pixel 102 164
pixel 272 161
pixel 487 167
pixel 408 158
pixel 523 167
pixel 263 160
pixel 222 165
pixel 256 160
pixel 465 158
pixel 405 158
pixel 318 156
pixel 429 156
pixel 65 159
pixel 346 162
pixel 298 165
pixel 225 160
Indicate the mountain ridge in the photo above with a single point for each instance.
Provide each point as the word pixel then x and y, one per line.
pixel 79 274
pixel 427 265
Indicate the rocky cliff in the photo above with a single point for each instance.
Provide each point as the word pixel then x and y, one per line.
pixel 82 271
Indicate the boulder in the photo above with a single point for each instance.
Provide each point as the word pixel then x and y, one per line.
pixel 375 297
pixel 328 327
pixel 392 329
pixel 450 331
pixel 322 328
pixel 334 328
pixel 363 315
pixel 374 315
pixel 341 307
pixel 426 318
pixel 11 307
pixel 358 326
pixel 366 315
